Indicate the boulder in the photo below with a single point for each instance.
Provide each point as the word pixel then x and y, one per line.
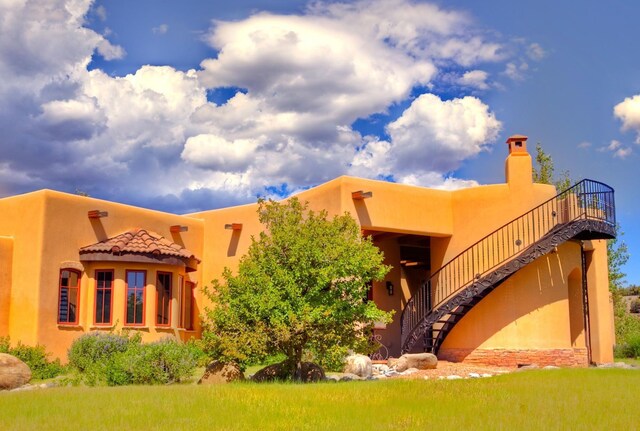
pixel 280 372
pixel 348 377
pixel 421 361
pixel 13 372
pixel 220 372
pixel 360 365
pixel 379 369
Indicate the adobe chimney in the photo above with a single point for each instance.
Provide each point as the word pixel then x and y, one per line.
pixel 518 166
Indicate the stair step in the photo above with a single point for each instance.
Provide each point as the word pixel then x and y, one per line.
pixel 457 313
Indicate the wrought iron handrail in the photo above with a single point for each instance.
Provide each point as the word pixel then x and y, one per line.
pixel 587 199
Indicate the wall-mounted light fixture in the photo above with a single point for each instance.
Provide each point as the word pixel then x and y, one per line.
pixel 97 214
pixel 176 228
pixel 359 195
pixel 390 288
pixel 233 226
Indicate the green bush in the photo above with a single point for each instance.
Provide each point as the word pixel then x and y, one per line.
pixel 634 307
pixel 36 357
pixel 95 348
pixel 120 359
pixel 162 362
pixel 630 348
pixel 5 344
pixel 197 350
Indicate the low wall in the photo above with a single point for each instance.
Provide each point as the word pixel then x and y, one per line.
pixel 513 358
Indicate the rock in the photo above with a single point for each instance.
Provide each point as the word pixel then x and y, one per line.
pixel 410 371
pixel 527 367
pixel 551 367
pixel 332 377
pixel 280 372
pixel 392 362
pixel 220 372
pixel 621 365
pixel 379 369
pixel 485 375
pixel 421 361
pixel 453 377
pixel 347 377
pixel 474 375
pixel 360 365
pixel 13 372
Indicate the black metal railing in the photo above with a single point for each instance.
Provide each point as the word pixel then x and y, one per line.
pixel 587 199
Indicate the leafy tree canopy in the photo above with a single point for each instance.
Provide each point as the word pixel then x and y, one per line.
pixel 545 171
pixel 301 287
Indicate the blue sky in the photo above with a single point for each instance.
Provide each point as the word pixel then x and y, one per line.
pixel 183 106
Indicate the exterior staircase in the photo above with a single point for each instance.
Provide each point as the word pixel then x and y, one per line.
pixel 584 211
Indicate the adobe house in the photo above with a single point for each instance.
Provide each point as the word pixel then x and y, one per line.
pixel 507 274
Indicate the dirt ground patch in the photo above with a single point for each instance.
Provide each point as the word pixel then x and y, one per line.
pixel 446 369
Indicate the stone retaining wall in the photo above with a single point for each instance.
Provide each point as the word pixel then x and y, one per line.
pixel 514 358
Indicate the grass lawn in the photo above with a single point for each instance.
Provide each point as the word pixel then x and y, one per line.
pixel 578 399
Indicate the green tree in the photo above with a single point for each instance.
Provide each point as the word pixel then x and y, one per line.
pixel 545 171
pixel 617 255
pixel 301 287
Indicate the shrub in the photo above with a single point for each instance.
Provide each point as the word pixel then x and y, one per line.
pixel 162 362
pixel 120 359
pixel 630 348
pixel 197 350
pixel 635 306
pixel 95 348
pixel 5 344
pixel 36 357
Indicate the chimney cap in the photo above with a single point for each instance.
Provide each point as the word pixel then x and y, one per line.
pixel 514 138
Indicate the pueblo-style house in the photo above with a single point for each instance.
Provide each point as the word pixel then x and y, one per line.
pixel 508 274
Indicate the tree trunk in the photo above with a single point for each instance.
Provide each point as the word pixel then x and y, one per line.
pixel 297 375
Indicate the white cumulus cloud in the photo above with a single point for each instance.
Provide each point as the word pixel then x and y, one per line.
pixel 475 79
pixel 152 138
pixel 437 135
pixel 628 111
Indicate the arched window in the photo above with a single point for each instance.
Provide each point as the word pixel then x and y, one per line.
pixel 69 296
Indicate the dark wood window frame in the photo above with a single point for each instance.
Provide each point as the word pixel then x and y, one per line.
pixel 186 304
pixel 135 290
pixel 163 299
pixel 101 287
pixel 65 306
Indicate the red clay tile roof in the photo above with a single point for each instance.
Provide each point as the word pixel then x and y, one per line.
pixel 139 241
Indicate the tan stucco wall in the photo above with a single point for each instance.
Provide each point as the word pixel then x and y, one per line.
pixel 529 310
pixel 22 219
pixel 6 264
pixel 600 308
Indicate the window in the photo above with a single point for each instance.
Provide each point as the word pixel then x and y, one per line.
pixel 135 297
pixel 104 297
pixel 68 297
pixel 163 299
pixel 186 306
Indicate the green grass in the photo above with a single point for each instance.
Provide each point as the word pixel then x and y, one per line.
pixel 581 399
